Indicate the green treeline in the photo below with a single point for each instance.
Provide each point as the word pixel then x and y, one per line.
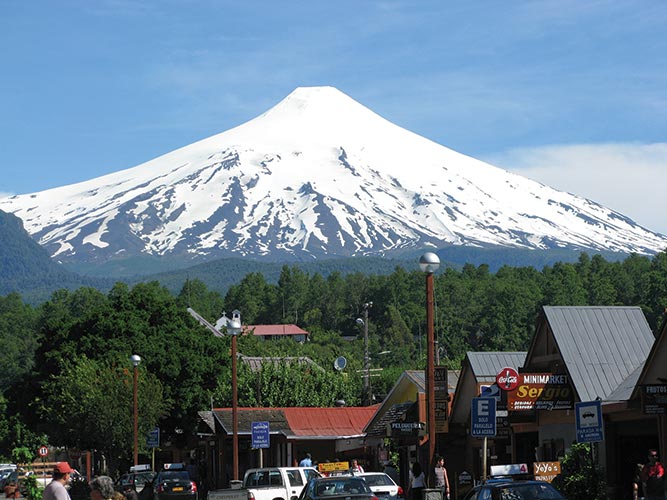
pixel 67 380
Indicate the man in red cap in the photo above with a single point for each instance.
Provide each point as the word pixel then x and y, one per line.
pixel 56 490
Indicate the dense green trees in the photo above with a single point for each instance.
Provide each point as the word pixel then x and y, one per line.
pixel 67 365
pixel 87 405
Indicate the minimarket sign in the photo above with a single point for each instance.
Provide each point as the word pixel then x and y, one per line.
pixel 541 391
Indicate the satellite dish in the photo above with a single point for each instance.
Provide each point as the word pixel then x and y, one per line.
pixel 340 363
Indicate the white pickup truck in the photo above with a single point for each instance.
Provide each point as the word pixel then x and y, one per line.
pixel 269 483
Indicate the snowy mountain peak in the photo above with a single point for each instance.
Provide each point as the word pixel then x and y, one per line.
pixel 316 175
pixel 309 100
pixel 314 114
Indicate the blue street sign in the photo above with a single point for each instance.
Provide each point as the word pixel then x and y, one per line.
pixel 260 435
pixel 483 417
pixel 588 417
pixel 153 438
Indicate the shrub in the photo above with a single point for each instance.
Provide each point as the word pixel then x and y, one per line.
pixel 580 478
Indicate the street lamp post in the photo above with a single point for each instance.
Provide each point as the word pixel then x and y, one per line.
pixel 234 328
pixel 429 263
pixel 135 359
pixel 367 359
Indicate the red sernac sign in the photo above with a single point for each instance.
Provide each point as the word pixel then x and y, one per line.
pixel 507 379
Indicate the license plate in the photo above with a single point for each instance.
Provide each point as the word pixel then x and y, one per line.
pixel 177 488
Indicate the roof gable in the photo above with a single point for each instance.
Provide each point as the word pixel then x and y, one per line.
pixel 478 368
pixel 653 372
pixel 406 389
pixel 486 365
pixel 600 346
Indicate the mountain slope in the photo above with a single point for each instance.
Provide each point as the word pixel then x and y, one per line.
pixel 317 175
pixel 26 268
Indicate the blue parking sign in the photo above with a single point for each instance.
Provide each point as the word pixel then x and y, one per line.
pixel 153 438
pixel 260 435
pixel 588 415
pixel 483 417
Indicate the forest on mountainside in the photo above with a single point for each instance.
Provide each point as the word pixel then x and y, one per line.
pixel 67 359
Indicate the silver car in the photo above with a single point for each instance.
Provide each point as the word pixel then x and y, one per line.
pixel 382 485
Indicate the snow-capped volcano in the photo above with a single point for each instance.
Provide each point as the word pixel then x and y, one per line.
pixel 317 174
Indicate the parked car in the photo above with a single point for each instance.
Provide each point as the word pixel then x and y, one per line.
pixel 382 485
pixel 514 490
pixel 136 479
pixel 329 488
pixel 273 483
pixel 268 483
pixel 173 482
pixel 12 477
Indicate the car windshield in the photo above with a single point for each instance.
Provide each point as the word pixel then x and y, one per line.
pixel 529 491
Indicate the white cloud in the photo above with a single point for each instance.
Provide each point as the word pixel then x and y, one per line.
pixel 626 177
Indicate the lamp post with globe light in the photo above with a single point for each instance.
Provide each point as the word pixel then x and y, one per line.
pixel 367 396
pixel 135 359
pixel 429 263
pixel 232 327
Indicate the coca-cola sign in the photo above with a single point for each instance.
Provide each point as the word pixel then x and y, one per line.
pixel 507 379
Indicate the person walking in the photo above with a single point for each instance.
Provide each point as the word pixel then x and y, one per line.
pixel 56 490
pixel 101 488
pixel 441 479
pixel 307 461
pixel 653 477
pixel 637 486
pixel 356 468
pixel 12 490
pixel 417 482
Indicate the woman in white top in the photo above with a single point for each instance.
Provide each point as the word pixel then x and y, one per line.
pixel 417 482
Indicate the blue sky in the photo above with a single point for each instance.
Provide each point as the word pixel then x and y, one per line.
pixel 568 92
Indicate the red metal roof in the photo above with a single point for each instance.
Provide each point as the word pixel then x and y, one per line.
pixel 304 421
pixel 339 421
pixel 277 330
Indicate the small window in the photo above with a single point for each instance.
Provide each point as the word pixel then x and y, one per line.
pixel 275 478
pixel 294 478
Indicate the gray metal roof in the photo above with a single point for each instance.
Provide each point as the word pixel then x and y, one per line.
pixel 256 362
pixel 486 365
pixel 624 391
pixel 601 346
pixel 417 377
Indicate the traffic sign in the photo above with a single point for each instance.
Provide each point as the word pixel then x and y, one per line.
pixel 260 435
pixel 43 451
pixel 588 415
pixel 153 438
pixel 490 391
pixel 483 417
